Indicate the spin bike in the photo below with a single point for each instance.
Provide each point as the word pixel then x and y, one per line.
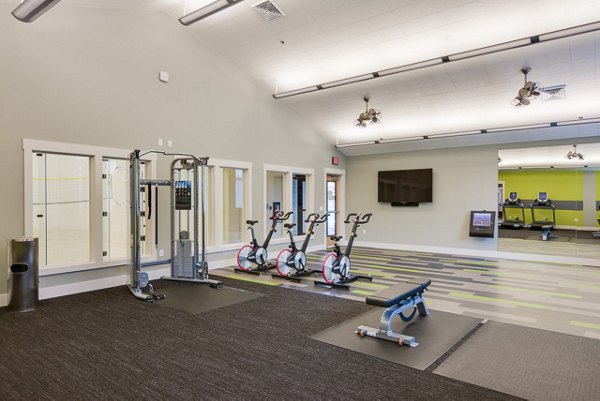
pixel 336 266
pixel 255 253
pixel 294 258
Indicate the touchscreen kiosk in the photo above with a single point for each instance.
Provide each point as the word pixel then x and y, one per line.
pixel 482 224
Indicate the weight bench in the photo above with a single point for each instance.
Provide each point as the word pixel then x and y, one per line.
pixel 397 299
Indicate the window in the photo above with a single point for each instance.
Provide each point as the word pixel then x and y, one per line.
pixel 276 183
pixel 299 203
pixel 61 207
pixel 233 205
pixel 76 200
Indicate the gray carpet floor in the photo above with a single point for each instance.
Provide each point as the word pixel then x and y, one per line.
pixel 534 364
pixel 108 345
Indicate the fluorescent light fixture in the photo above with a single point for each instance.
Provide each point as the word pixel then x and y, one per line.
pixel 578 122
pixel 295 92
pixel 207 11
pixel 408 139
pixel 347 81
pixel 410 67
pixel 30 10
pixel 490 49
pixel 453 134
pixel 576 30
pixel 514 44
pixel 347 145
pixel 522 127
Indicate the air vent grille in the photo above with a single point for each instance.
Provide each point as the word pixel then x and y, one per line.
pixel 554 92
pixel 268 10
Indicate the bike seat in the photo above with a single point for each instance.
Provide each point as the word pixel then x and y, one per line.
pixel 289 225
pixel 335 238
pixel 251 222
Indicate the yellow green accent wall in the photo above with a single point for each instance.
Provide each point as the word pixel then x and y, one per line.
pixel 561 185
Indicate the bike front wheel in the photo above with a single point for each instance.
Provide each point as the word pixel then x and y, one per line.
pixel 281 263
pixel 328 275
pixel 243 261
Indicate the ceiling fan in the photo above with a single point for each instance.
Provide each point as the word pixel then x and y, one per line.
pixel 573 154
pixel 530 90
pixel 369 115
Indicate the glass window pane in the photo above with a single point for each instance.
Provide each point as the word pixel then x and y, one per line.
pixel 275 184
pixel 299 203
pixel 234 188
pixel 331 208
pixel 62 198
pixel 115 208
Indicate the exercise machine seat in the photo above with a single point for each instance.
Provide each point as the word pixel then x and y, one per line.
pixel 397 293
pixel 251 222
pixel 289 225
pixel 335 238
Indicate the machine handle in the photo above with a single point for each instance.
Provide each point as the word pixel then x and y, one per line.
pixel 365 219
pixel 349 217
pixel 280 216
pixel 316 218
pixel 311 217
pixel 284 216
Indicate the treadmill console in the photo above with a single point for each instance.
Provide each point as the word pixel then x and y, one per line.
pixel 482 224
pixel 513 199
pixel 542 199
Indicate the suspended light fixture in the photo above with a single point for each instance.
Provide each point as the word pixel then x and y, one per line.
pixel 369 115
pixel 207 11
pixel 30 10
pixel 573 154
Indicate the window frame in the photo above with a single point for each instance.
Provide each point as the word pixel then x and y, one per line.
pixel 216 234
pixel 288 172
pixel 96 154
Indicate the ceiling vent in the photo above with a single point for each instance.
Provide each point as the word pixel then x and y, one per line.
pixel 268 10
pixel 554 92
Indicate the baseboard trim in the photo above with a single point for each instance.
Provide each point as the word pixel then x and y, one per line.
pixel 108 282
pixel 530 257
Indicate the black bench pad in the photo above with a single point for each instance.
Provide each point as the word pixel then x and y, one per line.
pixel 397 293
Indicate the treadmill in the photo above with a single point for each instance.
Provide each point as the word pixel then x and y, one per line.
pixel 513 205
pixel 542 219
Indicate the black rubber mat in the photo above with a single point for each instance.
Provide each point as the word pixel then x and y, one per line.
pixel 436 334
pixel 197 298
pixel 529 363
pixel 539 238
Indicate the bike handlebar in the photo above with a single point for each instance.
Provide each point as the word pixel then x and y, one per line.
pixel 314 217
pixel 349 217
pixel 357 218
pixel 280 216
pixel 365 219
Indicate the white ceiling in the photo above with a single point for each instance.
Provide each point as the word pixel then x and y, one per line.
pixel 335 39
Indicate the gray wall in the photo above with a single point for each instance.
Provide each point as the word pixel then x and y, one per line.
pixel 464 179
pixel 90 76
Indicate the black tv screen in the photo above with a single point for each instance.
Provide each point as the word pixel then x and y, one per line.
pixel 405 186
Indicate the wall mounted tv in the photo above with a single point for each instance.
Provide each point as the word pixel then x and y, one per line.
pixel 405 187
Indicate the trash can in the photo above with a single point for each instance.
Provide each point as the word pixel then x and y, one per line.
pixel 23 261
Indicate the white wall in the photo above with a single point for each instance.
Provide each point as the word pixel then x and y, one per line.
pixel 464 179
pixel 90 76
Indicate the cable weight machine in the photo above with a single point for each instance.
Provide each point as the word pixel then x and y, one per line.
pixel 188 255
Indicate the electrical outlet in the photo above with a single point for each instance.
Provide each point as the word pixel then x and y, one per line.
pixel 364 231
pixel 169 143
pixel 160 142
pixel 161 253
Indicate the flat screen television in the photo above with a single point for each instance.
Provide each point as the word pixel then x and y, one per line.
pixel 405 187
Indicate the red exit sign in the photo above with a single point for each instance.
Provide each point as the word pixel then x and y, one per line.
pixel 335 160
